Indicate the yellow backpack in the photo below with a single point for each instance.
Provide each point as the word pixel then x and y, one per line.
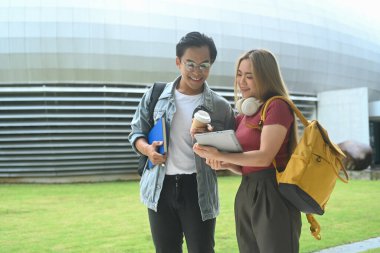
pixel 311 173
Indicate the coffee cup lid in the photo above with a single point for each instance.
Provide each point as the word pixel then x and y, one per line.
pixel 202 116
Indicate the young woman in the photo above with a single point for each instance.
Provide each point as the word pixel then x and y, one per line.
pixel 265 222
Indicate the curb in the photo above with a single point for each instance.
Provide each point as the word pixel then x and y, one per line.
pixel 354 247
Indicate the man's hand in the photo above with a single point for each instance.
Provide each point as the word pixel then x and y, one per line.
pixel 196 130
pixel 153 155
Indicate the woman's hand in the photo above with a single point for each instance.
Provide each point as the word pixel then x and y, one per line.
pixel 214 158
pixel 215 164
pixel 206 152
pixel 219 165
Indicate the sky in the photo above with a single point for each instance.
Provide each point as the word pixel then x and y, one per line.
pixel 366 10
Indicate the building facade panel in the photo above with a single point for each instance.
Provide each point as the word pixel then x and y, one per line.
pixel 72 72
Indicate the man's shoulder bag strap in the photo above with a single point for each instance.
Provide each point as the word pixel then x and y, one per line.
pixel 156 92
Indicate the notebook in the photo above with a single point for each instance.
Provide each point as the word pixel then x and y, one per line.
pixel 222 140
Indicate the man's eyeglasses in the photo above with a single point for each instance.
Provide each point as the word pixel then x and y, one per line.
pixel 191 66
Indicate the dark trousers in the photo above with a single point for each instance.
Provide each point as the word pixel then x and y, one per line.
pixel 265 222
pixel 178 215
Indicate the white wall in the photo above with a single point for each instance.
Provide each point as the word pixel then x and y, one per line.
pixel 374 110
pixel 344 114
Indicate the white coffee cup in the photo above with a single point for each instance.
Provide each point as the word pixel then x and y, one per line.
pixel 201 119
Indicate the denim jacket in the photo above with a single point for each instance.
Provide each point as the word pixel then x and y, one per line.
pixel 222 117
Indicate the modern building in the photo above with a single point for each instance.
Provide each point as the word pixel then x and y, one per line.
pixel 72 73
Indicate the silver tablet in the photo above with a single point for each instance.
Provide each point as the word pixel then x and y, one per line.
pixel 222 140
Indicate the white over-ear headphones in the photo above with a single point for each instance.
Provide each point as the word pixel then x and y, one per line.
pixel 248 106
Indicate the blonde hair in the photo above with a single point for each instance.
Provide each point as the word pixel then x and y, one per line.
pixel 268 80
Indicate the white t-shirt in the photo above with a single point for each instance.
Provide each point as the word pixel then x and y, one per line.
pixel 180 158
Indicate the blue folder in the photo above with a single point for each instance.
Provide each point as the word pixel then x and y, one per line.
pixel 158 133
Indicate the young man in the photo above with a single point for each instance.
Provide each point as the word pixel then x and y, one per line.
pixel 180 191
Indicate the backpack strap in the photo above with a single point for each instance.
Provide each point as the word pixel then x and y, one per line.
pixel 315 228
pixel 263 115
pixel 156 92
pixel 299 114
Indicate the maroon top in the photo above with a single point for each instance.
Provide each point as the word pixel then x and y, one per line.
pixel 278 112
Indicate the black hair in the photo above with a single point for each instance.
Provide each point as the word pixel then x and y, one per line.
pixel 196 39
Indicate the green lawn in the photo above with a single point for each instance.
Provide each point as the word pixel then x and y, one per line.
pixel 108 217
